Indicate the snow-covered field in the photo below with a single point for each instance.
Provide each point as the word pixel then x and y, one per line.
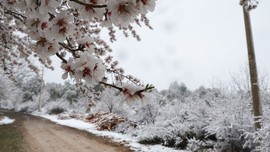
pixel 6 120
pixel 117 137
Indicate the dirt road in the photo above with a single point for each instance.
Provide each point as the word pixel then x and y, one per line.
pixel 42 135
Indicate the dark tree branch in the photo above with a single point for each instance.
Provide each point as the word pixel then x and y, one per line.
pixel 89 5
pixel 147 88
pixel 80 48
pixel 138 93
pixel 111 85
pixel 125 76
pixel 59 56
pixel 16 15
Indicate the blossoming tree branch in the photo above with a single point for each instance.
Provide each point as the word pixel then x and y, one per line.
pixel 70 29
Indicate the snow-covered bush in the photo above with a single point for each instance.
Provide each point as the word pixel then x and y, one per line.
pixel 27 106
pixel 177 123
pixel 55 107
pixel 10 94
pixel 203 119
pixel 146 112
pixel 230 118
pixel 176 91
pixel 55 90
pixel 31 88
pixel 110 101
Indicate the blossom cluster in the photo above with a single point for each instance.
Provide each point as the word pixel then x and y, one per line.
pixel 70 29
pixel 85 68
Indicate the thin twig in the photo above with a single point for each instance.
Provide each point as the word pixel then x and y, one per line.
pixel 144 90
pixel 59 56
pixel 16 15
pixel 111 85
pixel 89 5
pixel 80 48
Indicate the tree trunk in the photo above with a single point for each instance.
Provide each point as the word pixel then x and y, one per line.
pixel 41 91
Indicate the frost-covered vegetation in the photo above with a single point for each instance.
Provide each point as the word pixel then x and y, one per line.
pixel 214 119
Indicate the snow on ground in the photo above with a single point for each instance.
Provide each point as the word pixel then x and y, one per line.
pixel 6 120
pixel 117 137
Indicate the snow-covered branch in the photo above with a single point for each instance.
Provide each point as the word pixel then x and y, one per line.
pixel 70 28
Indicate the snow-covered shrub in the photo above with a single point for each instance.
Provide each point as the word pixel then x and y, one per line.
pixel 110 101
pixel 56 110
pixel 71 96
pixel 31 88
pixel 80 106
pixel 195 144
pixel 230 118
pixel 28 106
pixel 54 106
pixel 261 136
pixel 146 112
pixel 176 91
pixel 177 123
pixel 264 137
pixel 125 127
pixel 55 90
pixel 203 119
pixel 10 94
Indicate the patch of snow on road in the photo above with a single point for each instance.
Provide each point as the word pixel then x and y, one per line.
pixel 117 137
pixel 6 120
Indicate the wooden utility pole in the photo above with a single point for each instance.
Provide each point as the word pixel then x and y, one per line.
pixel 257 111
pixel 41 91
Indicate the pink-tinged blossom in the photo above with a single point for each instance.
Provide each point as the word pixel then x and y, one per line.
pixel 122 12
pixel 48 6
pixel 146 5
pixel 10 3
pixel 33 24
pixel 88 12
pixel 38 26
pixel 89 69
pixel 14 4
pixel 68 68
pixel 44 25
pixel 46 47
pixel 72 27
pixel 130 92
pixel 32 8
pixel 62 26
pixel 88 43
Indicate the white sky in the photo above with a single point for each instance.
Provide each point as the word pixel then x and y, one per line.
pixel 196 42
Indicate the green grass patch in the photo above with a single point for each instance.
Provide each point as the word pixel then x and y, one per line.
pixel 10 139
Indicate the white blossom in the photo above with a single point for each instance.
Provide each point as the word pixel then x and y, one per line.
pixel 122 12
pixel 146 5
pixel 87 12
pixel 88 68
pixel 72 27
pixel 88 43
pixel 131 93
pixel 68 68
pixel 46 47
pixel 48 6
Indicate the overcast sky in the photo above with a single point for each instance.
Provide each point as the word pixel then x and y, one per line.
pixel 196 42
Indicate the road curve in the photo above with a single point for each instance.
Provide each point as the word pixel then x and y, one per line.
pixel 42 135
